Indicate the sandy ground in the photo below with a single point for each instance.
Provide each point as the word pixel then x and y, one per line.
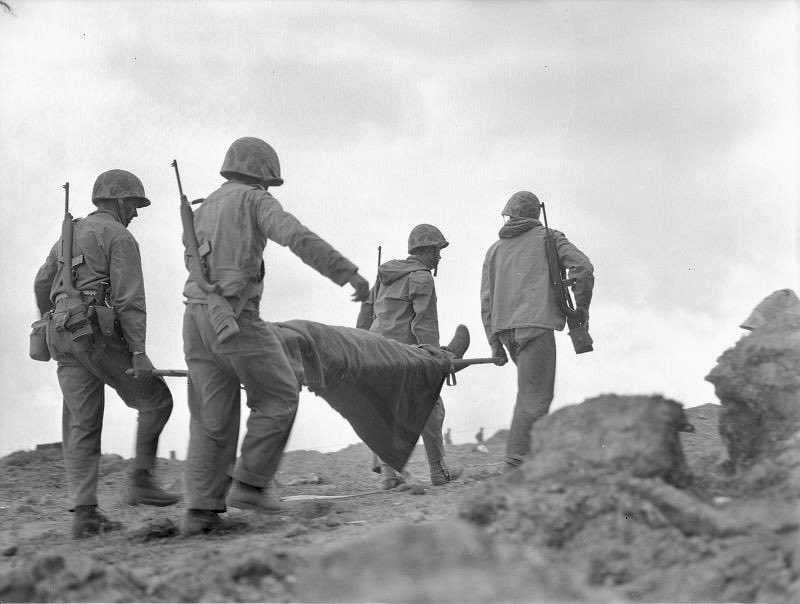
pixel 149 561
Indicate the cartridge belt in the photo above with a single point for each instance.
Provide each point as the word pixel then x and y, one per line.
pixel 87 294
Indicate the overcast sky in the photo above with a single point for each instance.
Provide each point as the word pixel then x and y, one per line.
pixel 661 136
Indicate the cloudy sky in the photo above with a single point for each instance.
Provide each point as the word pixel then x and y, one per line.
pixel 662 136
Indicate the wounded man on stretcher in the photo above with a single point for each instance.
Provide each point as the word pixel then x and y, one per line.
pixel 384 389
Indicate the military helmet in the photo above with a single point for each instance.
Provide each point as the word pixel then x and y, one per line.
pixel 425 235
pixel 250 156
pixel 119 184
pixel 522 204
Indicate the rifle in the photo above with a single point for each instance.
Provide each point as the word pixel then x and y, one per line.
pixel 77 315
pixel 578 328
pixel 220 312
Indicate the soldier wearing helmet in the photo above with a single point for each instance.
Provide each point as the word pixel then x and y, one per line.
pixel 107 271
pixel 402 307
pixel 520 312
pixel 233 225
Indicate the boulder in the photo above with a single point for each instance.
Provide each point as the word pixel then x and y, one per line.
pixel 636 434
pixel 758 382
pixel 603 494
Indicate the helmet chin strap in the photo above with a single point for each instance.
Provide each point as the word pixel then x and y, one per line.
pixel 121 214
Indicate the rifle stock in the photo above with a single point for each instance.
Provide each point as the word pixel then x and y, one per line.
pixel 220 312
pixel 77 311
pixel 578 331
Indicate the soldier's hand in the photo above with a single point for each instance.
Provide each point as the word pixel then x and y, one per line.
pixel 498 352
pixel 361 287
pixel 142 367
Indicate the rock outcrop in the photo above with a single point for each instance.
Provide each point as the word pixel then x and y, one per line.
pixel 635 434
pixel 604 493
pixel 758 383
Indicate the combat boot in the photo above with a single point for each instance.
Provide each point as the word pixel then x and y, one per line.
pixel 144 490
pixel 460 342
pixel 441 473
pixel 391 478
pixel 90 521
pixel 202 522
pixel 248 497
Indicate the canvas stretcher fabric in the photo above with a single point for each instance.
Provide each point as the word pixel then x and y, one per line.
pixel 384 389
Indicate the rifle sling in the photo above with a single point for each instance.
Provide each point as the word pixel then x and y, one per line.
pixel 243 297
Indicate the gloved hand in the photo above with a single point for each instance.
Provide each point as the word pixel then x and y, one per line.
pixel 361 286
pixel 499 352
pixel 142 367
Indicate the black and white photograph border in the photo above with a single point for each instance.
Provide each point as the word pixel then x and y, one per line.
pixel 662 139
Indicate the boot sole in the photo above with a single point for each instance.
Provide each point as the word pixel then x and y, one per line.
pixel 242 505
pixel 159 503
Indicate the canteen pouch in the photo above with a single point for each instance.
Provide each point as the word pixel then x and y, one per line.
pixel 39 350
pixel 106 320
pixel 78 321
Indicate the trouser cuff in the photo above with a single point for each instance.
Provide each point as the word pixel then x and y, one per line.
pixel 255 480
pixel 206 503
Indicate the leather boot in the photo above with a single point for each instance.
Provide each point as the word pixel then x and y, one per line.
pixel 248 497
pixel 90 521
pixel 460 342
pixel 202 522
pixel 144 490
pixel 441 473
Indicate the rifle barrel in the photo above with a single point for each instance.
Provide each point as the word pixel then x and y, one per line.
pixel 174 164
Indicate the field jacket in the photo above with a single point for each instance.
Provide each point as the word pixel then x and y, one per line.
pixel 515 286
pixel 106 252
pixel 404 303
pixel 233 226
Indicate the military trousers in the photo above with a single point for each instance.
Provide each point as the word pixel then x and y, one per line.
pixel 255 359
pixel 432 433
pixel 533 350
pixel 84 369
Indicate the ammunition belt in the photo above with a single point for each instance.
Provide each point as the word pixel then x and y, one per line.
pixel 87 294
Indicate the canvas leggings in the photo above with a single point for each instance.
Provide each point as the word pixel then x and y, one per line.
pixel 533 350
pixel 83 372
pixel 254 358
